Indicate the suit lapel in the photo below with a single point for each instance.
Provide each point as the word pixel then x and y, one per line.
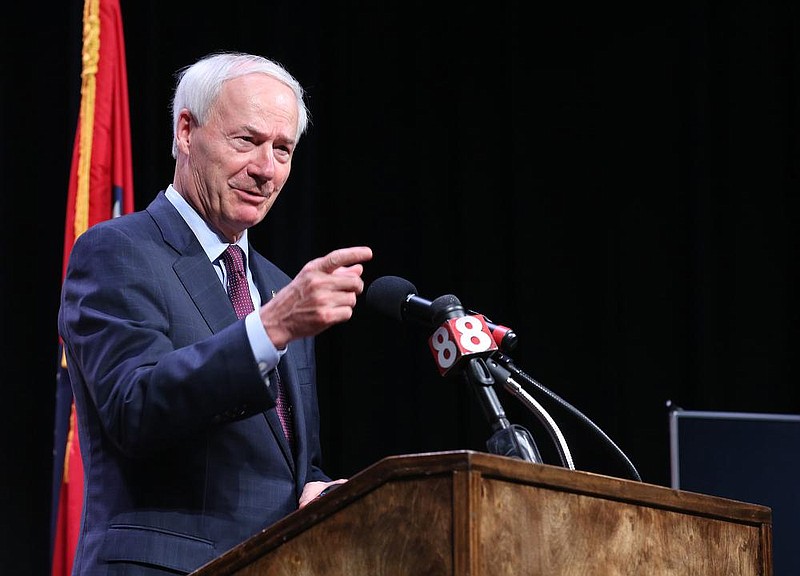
pixel 192 266
pixel 205 290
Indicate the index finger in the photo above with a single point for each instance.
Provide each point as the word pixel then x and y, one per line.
pixel 344 257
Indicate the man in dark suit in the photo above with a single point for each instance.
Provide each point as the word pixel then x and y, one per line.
pixel 184 453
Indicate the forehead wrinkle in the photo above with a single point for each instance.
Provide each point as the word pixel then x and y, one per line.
pixel 268 110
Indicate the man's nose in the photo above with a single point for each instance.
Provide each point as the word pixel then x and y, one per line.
pixel 262 165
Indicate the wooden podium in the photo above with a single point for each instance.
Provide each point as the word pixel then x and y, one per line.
pixel 467 513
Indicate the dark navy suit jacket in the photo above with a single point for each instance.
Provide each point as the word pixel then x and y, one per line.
pixel 183 452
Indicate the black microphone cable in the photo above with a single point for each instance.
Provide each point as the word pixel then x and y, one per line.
pixel 506 362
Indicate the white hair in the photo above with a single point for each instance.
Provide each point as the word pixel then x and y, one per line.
pixel 200 83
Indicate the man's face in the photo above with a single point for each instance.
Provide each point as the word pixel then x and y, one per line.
pixel 238 161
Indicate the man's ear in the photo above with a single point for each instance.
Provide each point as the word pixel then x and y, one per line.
pixel 183 132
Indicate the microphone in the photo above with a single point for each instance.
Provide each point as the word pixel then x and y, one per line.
pixel 397 297
pixel 460 337
pixel 504 337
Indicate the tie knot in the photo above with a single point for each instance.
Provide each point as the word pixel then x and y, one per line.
pixel 238 290
pixel 234 259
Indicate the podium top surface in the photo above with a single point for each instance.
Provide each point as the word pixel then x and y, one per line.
pixel 488 467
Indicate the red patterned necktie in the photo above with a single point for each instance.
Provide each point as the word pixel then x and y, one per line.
pixel 239 293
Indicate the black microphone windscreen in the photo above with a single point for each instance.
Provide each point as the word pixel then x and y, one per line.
pixel 387 295
pixel 443 307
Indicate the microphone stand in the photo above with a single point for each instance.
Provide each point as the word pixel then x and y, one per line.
pixel 499 359
pixel 501 374
pixel 508 439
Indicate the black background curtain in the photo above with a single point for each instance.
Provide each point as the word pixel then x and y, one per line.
pixel 615 181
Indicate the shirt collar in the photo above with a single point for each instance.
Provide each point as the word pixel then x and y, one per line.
pixel 211 243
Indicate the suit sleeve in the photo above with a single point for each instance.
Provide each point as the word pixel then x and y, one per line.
pixel 153 368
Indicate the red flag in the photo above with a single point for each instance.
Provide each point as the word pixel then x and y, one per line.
pixel 100 187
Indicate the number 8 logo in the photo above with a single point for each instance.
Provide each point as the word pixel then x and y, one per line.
pixel 473 338
pixel 444 347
